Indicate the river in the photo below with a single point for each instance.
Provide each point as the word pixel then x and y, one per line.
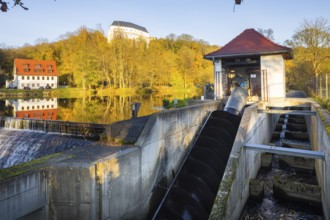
pixel 101 110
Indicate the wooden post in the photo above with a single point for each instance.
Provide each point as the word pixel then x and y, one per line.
pixel 320 89
pixel 326 86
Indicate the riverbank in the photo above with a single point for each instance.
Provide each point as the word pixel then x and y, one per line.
pixel 78 92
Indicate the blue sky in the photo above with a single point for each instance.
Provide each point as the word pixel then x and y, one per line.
pixel 211 20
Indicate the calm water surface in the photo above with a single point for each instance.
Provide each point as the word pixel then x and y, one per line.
pixel 102 110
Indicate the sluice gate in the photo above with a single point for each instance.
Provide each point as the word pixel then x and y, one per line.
pixel 194 188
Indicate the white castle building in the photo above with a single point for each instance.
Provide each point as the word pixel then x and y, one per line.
pixel 128 30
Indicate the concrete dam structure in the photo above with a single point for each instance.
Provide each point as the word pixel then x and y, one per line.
pixel 108 180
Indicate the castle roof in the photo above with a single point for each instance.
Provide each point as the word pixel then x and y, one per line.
pixel 129 24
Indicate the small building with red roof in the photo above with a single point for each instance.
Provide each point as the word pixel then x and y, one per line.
pixel 253 61
pixel 33 74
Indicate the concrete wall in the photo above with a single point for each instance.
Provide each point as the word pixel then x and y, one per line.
pixel 274 65
pixel 93 184
pixel 242 165
pixel 164 143
pixel 320 141
pixel 22 195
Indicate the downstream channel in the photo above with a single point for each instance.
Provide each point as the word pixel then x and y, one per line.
pixel 290 131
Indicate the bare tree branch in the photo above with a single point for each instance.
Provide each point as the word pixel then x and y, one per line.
pixel 4 5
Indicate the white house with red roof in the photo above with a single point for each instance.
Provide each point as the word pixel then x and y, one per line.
pixel 253 61
pixel 33 74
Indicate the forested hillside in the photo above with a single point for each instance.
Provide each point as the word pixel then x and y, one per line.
pixel 86 60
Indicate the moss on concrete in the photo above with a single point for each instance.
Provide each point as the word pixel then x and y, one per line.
pixel 25 167
pixel 326 123
pixel 220 204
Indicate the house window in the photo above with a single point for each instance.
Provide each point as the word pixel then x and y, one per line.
pixel 33 77
pixel 32 107
pixel 52 84
pixel 52 77
pixel 43 78
pixel 27 107
pixel 26 67
pixel 47 77
pixel 38 77
pixel 28 77
pixel 22 77
pixel 33 85
pixel 22 107
pixel 28 85
pixel 38 84
pixel 22 85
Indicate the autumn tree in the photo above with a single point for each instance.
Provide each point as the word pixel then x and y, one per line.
pixel 311 43
pixel 86 60
pixel 4 5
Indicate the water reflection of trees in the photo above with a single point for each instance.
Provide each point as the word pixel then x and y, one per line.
pixel 106 109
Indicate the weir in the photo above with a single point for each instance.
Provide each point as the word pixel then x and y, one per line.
pixel 22 140
pixel 125 182
pixel 76 129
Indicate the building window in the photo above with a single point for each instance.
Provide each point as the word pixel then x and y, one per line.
pixel 22 77
pixel 52 77
pixel 28 77
pixel 33 85
pixel 38 77
pixel 28 85
pixel 43 78
pixel 38 84
pixel 52 84
pixel 22 85
pixel 33 77
pixel 47 77
pixel 32 107
pixel 28 108
pixel 22 107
